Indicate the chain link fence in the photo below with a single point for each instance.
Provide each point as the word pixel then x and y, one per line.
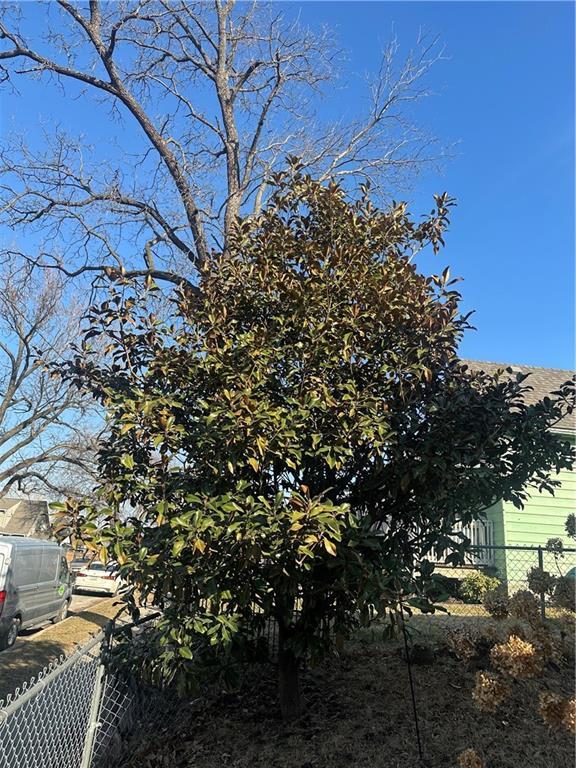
pixel 79 713
pixel 510 568
pixel 75 714
pixel 45 724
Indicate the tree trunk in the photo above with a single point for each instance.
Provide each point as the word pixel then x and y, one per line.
pixel 288 679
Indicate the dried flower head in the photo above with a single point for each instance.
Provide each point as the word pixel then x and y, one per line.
pixel 524 605
pixel 517 628
pixel 546 645
pixel 462 643
pixel 557 711
pixel 496 602
pixel 517 658
pixel 565 594
pixel 490 691
pixel 551 709
pixel 470 759
pixel 569 719
pixel 540 581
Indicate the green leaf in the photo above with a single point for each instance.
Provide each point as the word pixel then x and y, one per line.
pixel 127 460
pixel 178 546
pixel 330 547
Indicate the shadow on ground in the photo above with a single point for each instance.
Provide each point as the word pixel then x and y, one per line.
pixel 24 661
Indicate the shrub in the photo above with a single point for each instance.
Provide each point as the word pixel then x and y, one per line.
pixel 470 759
pixel 476 585
pixel 557 711
pixel 540 581
pixel 517 658
pixel 524 605
pixel 565 594
pixel 497 603
pixel 442 587
pixel 490 691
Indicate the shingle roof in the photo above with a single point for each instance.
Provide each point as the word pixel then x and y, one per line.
pixel 542 380
pixel 24 517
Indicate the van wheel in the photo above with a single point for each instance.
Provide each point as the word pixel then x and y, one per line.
pixel 62 613
pixel 8 639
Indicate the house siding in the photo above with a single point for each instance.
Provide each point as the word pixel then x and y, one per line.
pixel 495 515
pixel 544 516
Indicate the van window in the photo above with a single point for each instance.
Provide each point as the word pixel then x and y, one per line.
pixel 50 563
pixel 64 570
pixel 26 565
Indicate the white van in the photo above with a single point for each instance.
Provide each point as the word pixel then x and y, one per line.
pixel 34 585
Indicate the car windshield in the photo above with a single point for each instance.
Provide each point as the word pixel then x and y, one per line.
pixel 100 567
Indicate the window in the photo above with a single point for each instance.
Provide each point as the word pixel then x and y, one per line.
pixel 63 568
pixel 50 563
pixel 27 566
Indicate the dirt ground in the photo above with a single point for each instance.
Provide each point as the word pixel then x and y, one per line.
pixel 359 714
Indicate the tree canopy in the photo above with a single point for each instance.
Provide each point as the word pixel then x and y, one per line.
pixel 293 444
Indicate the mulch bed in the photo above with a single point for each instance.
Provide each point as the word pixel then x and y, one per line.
pixel 359 714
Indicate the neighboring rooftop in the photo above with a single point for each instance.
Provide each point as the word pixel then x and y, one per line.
pixel 24 517
pixel 543 381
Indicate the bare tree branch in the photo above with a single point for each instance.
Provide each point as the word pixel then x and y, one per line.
pixel 44 425
pixel 212 98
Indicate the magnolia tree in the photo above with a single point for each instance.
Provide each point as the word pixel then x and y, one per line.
pixel 293 445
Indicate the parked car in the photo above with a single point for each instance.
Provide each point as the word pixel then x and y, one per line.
pixel 34 585
pixel 97 577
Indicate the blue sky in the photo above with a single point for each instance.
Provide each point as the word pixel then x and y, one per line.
pixel 505 93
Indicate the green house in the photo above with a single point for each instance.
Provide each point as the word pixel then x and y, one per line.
pixel 544 515
pixel 511 541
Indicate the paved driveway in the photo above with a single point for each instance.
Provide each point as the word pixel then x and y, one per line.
pixel 83 602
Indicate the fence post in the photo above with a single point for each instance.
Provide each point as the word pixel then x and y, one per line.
pixel 93 717
pixel 97 693
pixel 542 596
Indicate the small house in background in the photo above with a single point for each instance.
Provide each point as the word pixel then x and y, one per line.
pixel 544 514
pixel 25 517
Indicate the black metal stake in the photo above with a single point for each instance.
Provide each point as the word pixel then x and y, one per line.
pixel 412 693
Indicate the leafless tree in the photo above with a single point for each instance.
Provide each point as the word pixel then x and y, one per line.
pixel 210 98
pixel 47 433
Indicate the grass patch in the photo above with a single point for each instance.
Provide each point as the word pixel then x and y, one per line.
pixel 359 715
pixel 31 654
